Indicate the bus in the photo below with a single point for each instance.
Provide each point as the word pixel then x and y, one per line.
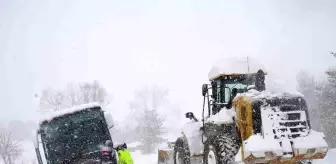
pixel 77 135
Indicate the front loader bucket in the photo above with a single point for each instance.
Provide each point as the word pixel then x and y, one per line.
pixel 310 147
pixel 166 155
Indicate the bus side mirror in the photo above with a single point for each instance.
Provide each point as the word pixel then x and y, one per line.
pixel 204 89
pixel 109 120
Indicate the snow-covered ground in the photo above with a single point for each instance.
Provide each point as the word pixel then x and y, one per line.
pixel 28 156
pixel 144 159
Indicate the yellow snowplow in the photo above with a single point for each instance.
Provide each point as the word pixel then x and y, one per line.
pixel 242 122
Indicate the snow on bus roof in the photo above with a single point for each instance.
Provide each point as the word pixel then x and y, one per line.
pixel 235 65
pixel 63 112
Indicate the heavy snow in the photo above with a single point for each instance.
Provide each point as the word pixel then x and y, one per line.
pixel 224 116
pixel 287 147
pixel 314 139
pixel 258 145
pixel 254 94
pixel 62 112
pixel 271 119
pixel 235 65
pixel 29 156
pixel 192 132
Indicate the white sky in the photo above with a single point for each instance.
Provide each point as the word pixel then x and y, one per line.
pixel 125 44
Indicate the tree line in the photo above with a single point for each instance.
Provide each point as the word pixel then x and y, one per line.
pixel 149 120
pixel 144 125
pixel 320 94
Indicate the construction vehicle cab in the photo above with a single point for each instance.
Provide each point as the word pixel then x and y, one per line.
pixel 225 87
pixel 243 122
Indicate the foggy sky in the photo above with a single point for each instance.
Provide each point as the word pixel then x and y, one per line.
pixel 130 43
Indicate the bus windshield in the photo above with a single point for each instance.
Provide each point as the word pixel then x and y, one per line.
pixel 69 136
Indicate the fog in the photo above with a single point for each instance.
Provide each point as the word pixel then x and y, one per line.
pixel 128 44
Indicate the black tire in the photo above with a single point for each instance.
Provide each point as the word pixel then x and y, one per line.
pixel 223 147
pixel 181 151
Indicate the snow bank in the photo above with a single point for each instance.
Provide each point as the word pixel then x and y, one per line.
pixel 235 65
pixel 259 145
pixel 193 134
pixel 224 116
pixel 62 112
pixel 140 158
pixel 134 144
pixel 314 139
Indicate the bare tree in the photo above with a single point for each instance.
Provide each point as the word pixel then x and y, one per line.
pixel 93 92
pixel 149 97
pixel 149 130
pixel 328 106
pixel 145 106
pixel 51 99
pixel 310 88
pixel 10 149
pixel 321 101
pixel 74 94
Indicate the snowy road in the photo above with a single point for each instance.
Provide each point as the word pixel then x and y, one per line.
pixel 29 156
pixel 144 159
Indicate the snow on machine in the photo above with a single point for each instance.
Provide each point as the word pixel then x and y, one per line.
pixel 77 135
pixel 244 123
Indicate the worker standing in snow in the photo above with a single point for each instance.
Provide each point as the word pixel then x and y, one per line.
pixel 124 155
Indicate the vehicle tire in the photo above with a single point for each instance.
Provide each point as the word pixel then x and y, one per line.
pixel 181 151
pixel 220 150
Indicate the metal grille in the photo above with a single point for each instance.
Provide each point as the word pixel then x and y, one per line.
pixel 292 123
pixel 284 122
